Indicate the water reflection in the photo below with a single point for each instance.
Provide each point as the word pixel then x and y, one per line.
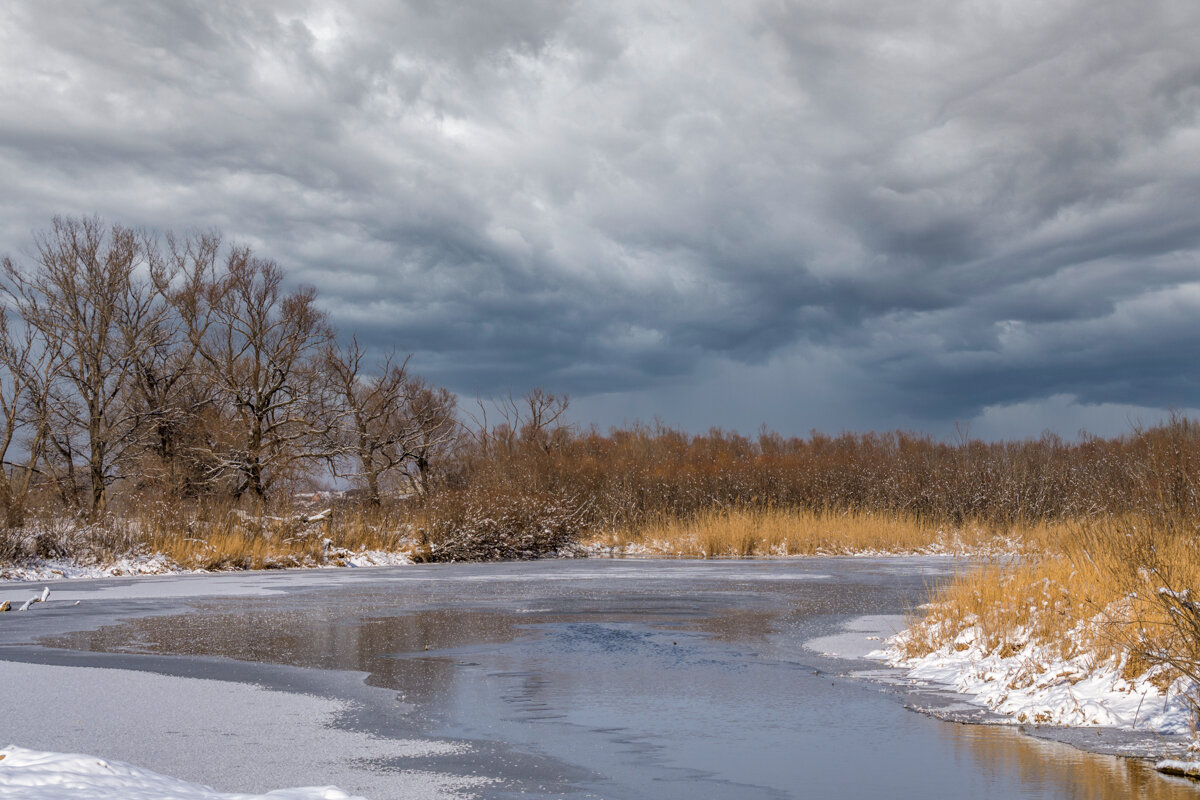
pixel 316 637
pixel 1070 773
pixel 686 690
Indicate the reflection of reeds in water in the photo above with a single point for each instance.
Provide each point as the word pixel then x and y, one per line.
pixel 786 532
pixel 1075 773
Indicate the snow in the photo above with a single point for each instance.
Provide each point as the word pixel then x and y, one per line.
pixel 56 569
pixel 1036 685
pixel 1189 769
pixel 41 775
pixel 233 736
pixel 1030 686
pixel 946 547
pixel 368 558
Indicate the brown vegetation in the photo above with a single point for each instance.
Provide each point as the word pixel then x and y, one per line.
pixel 739 533
pixel 138 375
pixel 1114 586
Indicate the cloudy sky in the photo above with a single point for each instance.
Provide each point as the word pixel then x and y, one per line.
pixel 832 214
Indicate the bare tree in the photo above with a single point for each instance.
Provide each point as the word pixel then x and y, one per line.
pixel 259 347
pixel 165 387
pixel 533 419
pixel 542 418
pixel 433 429
pixel 366 426
pixel 27 370
pixel 85 296
pixel 387 424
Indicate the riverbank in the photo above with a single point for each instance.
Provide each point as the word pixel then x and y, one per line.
pixel 1042 634
pixel 585 675
pixel 1102 714
pixel 42 570
pixel 1097 630
pixel 778 532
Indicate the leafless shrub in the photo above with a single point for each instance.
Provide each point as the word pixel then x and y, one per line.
pixel 490 525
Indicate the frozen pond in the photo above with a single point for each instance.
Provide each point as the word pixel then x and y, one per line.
pixel 589 679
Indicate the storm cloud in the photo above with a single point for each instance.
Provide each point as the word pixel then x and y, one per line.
pixel 813 214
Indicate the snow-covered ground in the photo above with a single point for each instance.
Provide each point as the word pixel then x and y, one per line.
pixel 1036 685
pixel 57 569
pixel 206 733
pixel 1031 687
pixel 369 558
pixel 954 547
pixel 40 775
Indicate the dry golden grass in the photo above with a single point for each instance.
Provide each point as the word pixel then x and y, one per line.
pixel 1096 590
pixel 791 532
pixel 1038 600
pixel 223 539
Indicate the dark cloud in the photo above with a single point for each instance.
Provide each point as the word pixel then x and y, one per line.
pixel 860 214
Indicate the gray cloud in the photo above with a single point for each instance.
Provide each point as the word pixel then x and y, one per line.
pixel 942 210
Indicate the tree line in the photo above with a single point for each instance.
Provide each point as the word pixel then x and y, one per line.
pixel 182 367
pixel 184 364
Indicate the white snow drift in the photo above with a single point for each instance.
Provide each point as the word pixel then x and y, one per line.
pixel 39 775
pixel 1036 685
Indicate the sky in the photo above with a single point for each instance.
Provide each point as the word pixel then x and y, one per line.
pixel 820 214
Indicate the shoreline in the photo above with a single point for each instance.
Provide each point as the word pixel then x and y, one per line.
pixel 158 565
pixel 937 695
pixel 118 598
pixel 939 678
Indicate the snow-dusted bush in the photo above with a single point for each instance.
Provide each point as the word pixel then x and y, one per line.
pixel 486 524
pixel 67 538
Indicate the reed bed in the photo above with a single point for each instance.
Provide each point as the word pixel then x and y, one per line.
pixel 222 539
pixel 740 533
pixel 214 536
pixel 1117 590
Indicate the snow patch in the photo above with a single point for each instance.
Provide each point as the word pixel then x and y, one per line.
pixel 366 558
pixel 41 775
pixel 1031 684
pixel 55 569
pixel 1187 769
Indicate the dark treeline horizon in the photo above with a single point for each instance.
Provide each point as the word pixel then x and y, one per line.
pixel 182 367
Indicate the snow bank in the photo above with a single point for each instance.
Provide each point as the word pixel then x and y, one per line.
pixel 40 775
pixel 366 558
pixel 158 564
pixel 53 569
pixel 1187 769
pixel 1032 684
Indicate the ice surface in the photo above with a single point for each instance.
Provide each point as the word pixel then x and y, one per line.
pixel 858 637
pixel 231 736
